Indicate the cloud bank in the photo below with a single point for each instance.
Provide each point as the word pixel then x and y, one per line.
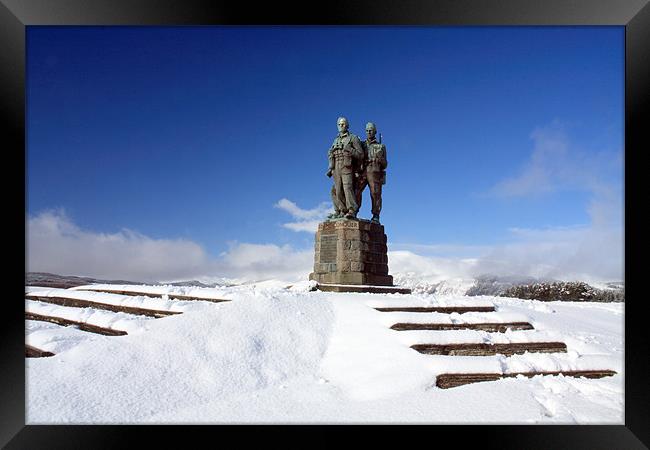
pixel 591 252
pixel 55 244
pixel 593 255
pixel 306 220
pixel 557 164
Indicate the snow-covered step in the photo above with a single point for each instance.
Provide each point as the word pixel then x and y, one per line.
pixel 56 338
pixel 413 301
pixel 91 316
pixel 499 327
pixel 81 325
pixel 481 349
pixel 33 352
pixel 450 380
pixel 475 342
pixel 466 317
pixel 85 303
pixel 149 291
pixel 438 309
pixel 468 336
pixel 435 321
pixel 525 362
pixel 140 301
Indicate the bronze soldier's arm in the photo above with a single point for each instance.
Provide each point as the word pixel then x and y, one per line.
pixel 330 159
pixel 364 158
pixel 357 149
pixel 384 161
pixel 330 163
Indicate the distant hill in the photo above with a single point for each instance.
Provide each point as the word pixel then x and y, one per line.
pixel 529 288
pixel 547 290
pixel 66 281
pixel 575 291
pixel 498 285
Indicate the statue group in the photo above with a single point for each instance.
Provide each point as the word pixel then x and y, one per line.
pixel 353 165
pixel 350 254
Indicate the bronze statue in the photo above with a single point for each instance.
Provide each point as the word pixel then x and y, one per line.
pixel 374 170
pixel 345 156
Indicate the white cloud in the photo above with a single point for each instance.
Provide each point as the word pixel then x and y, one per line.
pixel 556 164
pixel 590 252
pixel 579 253
pixel 307 219
pixel 565 253
pixel 429 268
pixel 454 251
pixel 309 226
pixel 264 261
pixel 55 244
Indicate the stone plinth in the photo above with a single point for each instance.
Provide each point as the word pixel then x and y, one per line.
pixel 362 289
pixel 351 252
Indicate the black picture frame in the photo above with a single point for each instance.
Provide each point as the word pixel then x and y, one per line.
pixel 634 15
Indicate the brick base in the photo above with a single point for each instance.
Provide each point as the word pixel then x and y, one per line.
pixel 351 252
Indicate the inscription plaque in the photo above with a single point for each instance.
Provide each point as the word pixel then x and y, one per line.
pixel 328 248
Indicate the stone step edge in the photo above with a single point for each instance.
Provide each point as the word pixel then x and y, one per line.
pixel 451 380
pixel 493 327
pixel 154 295
pixel 81 325
pixel 438 309
pixel 485 349
pixel 82 303
pixel 33 352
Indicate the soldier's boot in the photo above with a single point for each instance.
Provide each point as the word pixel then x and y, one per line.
pixel 351 214
pixel 334 215
pixel 375 218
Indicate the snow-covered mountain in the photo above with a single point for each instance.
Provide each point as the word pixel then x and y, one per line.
pixel 517 287
pixel 505 286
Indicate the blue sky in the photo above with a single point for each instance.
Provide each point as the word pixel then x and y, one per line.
pixel 195 133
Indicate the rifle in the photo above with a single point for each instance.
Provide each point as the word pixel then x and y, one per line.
pixel 383 178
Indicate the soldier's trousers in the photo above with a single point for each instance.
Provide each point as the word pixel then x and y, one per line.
pixel 359 185
pixel 373 181
pixel 343 196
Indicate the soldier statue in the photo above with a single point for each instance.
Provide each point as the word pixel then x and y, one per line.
pixel 374 170
pixel 345 157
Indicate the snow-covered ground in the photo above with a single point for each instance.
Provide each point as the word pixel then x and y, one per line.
pixel 283 354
